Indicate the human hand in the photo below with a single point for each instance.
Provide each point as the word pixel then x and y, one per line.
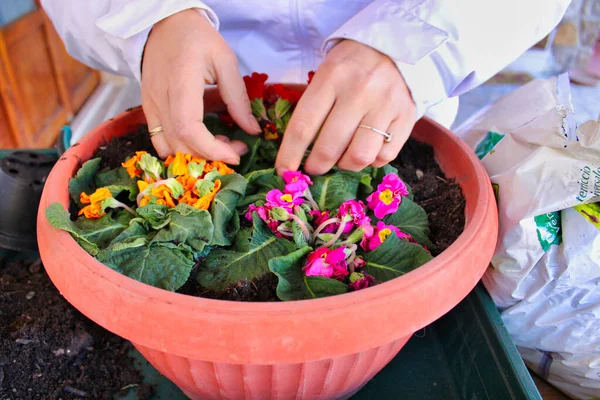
pixel 183 53
pixel 354 85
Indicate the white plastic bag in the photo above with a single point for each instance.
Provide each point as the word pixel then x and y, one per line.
pixel 545 273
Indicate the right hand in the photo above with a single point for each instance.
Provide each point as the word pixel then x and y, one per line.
pixel 183 53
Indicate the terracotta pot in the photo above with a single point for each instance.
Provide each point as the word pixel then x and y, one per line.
pixel 314 349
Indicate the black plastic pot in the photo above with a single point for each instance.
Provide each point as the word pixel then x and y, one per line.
pixel 22 177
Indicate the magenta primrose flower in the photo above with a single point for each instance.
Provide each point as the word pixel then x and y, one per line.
pixel 275 198
pixel 382 232
pixel 356 210
pixel 296 182
pixel 360 281
pixel 326 262
pixel 263 213
pixel 319 218
pixel 388 196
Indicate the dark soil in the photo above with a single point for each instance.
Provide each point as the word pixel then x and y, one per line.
pixel 441 198
pixel 259 289
pixel 119 149
pixel 48 350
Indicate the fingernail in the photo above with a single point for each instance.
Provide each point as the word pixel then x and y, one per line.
pixel 254 124
pixel 232 161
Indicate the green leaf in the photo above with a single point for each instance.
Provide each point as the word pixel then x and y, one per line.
pixel 223 209
pixel 412 219
pixel 395 257
pixel 136 229
pixel 223 267
pixel 163 265
pixel 218 127
pixel 59 219
pixel 83 181
pixel 188 225
pixel 331 190
pixel 299 237
pixel 260 182
pixel 151 165
pixel 204 187
pixel 293 284
pixel 243 240
pixel 258 108
pixel 156 215
pixel 117 180
pixel 103 230
pixel 282 106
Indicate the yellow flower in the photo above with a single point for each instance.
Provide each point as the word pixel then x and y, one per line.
pixel 94 209
pixel 144 201
pixel 180 162
pixel 142 185
pixel 131 164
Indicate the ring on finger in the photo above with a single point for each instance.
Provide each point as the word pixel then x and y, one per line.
pixel 156 130
pixel 386 135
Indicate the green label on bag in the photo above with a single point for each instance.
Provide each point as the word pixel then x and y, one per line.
pixel 548 229
pixel 488 143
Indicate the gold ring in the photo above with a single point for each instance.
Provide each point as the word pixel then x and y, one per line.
pixel 386 135
pixel 156 130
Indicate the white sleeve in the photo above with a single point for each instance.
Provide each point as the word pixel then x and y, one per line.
pixel 444 48
pixel 111 34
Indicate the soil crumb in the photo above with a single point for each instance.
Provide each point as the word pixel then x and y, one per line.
pixel 119 149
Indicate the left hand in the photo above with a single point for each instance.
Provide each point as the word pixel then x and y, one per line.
pixel 354 85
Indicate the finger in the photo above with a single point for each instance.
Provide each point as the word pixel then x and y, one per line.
pixel 185 121
pixel 233 92
pixel 400 128
pixel 366 143
pixel 159 140
pixel 308 116
pixel 335 136
pixel 239 146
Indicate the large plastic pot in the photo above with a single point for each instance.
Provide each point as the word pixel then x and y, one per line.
pixel 313 349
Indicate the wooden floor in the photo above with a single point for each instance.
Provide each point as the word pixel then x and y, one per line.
pixel 548 391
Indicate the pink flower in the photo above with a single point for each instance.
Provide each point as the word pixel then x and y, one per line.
pixel 388 196
pixel 326 262
pixel 261 211
pixel 355 210
pixel 296 182
pixel 382 232
pixel 275 198
pixel 360 281
pixel 319 218
pixel 359 262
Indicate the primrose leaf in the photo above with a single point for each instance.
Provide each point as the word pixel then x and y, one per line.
pixel 223 267
pixel 293 284
pixel 187 225
pixel 412 219
pixel 59 219
pixel 395 257
pixel 299 237
pixel 117 180
pixel 282 106
pixel 136 229
pixel 156 215
pixel 332 189
pixel 163 265
pixel 83 181
pixel 258 108
pixel 103 230
pixel 259 183
pixel 223 209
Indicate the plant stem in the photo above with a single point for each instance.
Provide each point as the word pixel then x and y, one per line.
pixel 302 225
pixel 324 225
pixel 337 234
pixel 149 190
pixel 351 257
pixel 308 195
pixel 127 208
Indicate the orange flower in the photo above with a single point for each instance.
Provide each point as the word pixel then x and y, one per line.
pixel 131 164
pixel 187 182
pixel 163 193
pixel 94 209
pixel 144 201
pixel 221 167
pixel 204 202
pixel 180 162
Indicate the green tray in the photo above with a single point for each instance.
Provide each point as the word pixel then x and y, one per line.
pixel 466 354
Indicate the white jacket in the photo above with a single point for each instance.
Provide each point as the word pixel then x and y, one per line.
pixel 443 48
